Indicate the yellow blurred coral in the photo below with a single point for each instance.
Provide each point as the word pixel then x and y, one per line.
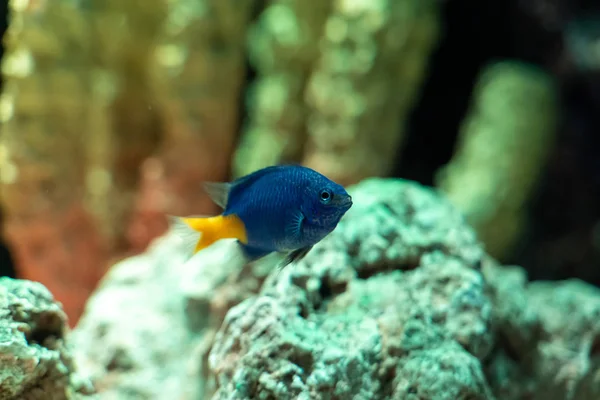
pixel 503 148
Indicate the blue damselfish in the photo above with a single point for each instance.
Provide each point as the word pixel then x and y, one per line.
pixel 285 209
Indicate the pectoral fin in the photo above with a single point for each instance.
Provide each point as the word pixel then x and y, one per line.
pixel 293 229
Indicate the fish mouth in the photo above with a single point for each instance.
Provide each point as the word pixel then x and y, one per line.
pixel 345 201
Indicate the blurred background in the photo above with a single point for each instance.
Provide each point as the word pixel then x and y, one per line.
pixel 113 112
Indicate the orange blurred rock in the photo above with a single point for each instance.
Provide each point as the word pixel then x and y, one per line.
pixel 112 116
pixel 198 79
pixel 63 251
pixel 62 167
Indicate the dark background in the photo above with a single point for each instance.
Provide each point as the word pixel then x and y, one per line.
pixel 564 236
pixel 7 267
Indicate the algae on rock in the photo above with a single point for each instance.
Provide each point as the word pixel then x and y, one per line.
pixel 373 58
pixel 336 82
pixel 283 46
pixel 503 147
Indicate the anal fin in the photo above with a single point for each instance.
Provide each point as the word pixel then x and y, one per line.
pixel 254 253
pixel 294 256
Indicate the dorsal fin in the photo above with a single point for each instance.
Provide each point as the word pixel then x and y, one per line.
pixel 218 192
pixel 249 179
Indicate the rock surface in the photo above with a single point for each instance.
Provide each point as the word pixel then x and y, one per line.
pixel 147 327
pixel 34 357
pixel 399 302
pixel 548 337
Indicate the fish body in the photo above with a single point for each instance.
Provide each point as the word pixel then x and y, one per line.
pixel 285 209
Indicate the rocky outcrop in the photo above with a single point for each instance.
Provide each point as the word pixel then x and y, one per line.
pixel 399 302
pixel 35 359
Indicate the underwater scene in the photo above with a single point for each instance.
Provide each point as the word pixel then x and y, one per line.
pixel 300 199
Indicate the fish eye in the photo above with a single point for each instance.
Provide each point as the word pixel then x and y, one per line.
pixel 326 196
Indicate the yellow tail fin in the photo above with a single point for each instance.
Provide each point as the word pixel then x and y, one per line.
pixel 198 233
